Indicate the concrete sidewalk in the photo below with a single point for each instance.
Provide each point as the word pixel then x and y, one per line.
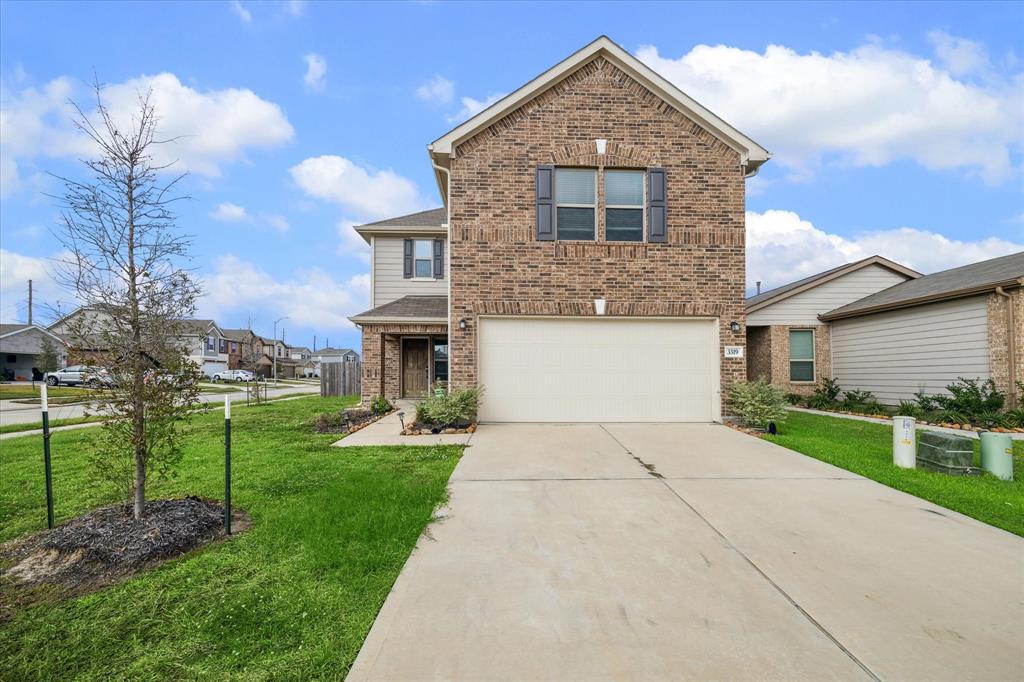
pixel 388 431
pixel 667 552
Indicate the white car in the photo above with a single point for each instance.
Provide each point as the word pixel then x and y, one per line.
pixel 77 375
pixel 234 375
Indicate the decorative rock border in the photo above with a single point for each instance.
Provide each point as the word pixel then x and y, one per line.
pixel 412 431
pixel 945 425
pixel 363 425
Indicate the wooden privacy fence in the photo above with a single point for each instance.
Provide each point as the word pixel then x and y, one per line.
pixel 340 378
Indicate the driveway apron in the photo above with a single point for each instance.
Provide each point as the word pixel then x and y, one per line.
pixel 668 552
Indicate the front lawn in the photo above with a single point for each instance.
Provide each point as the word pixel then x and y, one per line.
pixel 866 448
pixel 27 390
pixel 292 598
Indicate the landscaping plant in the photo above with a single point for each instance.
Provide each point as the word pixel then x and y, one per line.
pixel 970 399
pixel 454 408
pixel 123 260
pixel 758 403
pixel 380 405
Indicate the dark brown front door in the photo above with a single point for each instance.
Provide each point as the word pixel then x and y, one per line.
pixel 415 368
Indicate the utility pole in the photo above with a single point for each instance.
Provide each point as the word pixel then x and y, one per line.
pixel 275 347
pixel 314 343
pixel 30 302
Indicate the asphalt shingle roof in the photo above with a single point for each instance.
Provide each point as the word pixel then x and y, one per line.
pixel 989 273
pixel 435 217
pixel 413 307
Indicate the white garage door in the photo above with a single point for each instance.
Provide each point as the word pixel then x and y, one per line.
pixel 598 370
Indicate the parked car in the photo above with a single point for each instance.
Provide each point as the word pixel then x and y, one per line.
pixel 234 375
pixel 78 375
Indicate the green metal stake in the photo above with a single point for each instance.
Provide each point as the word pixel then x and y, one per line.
pixel 227 464
pixel 46 457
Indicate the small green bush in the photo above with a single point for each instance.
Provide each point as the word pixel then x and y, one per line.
pixel 818 401
pixel 795 399
pixel 1015 418
pixel 758 403
pixel 972 399
pixel 828 388
pixel 380 405
pixel 450 409
pixel 910 408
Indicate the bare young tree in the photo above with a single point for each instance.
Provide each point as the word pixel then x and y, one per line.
pixel 124 263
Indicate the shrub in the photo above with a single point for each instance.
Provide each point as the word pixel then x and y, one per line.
pixel 857 401
pixel 795 399
pixel 757 402
pixel 925 402
pixel 380 405
pixel 828 388
pixel 873 406
pixel 1015 418
pixel 820 402
pixel 910 408
pixel 970 398
pixel 450 409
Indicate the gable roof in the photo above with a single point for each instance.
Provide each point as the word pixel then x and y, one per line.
pixel 967 280
pixel 7 330
pixel 407 309
pixel 752 155
pixel 777 294
pixel 334 351
pixel 430 221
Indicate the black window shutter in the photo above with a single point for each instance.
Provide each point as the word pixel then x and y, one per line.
pixel 545 203
pixel 438 259
pixel 657 223
pixel 407 272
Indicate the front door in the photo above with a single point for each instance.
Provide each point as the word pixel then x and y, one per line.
pixel 415 368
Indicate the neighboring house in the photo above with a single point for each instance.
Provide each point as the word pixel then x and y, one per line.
pixel 920 333
pixel 20 346
pixel 335 355
pixel 588 264
pixel 786 342
pixel 207 346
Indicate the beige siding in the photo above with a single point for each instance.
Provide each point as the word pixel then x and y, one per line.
pixel 389 285
pixel 896 353
pixel 804 308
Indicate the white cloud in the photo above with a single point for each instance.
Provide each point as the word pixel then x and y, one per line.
pixel 352 244
pixel 15 271
pixel 316 72
pixel 278 222
pixel 211 127
pixel 309 297
pixel 365 192
pixel 471 107
pixel 782 247
pixel 866 107
pixel 959 55
pixel 296 7
pixel 229 213
pixel 437 89
pixel 243 14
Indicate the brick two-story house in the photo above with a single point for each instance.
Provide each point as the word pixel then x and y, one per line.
pixel 588 264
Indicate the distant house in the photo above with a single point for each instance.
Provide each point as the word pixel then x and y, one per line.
pixel 335 355
pixel 208 346
pixel 20 346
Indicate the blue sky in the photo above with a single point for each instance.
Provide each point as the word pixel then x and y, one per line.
pixel 896 127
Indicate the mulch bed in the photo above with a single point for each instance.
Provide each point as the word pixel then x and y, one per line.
pixel 347 421
pixel 421 429
pixel 948 425
pixel 106 546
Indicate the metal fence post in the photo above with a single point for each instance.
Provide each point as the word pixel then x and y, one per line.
pixel 46 457
pixel 227 464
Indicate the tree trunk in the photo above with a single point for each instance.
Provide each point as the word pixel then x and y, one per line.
pixel 137 368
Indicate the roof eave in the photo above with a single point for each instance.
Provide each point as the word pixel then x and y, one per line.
pixel 367 232
pixel 920 300
pixel 367 319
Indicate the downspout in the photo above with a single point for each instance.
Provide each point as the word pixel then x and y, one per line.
pixel 1011 346
pixel 448 253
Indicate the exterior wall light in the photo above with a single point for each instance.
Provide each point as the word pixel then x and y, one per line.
pixel 599 306
pixel 735 327
pixel 462 324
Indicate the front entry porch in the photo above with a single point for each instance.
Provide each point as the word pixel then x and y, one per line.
pixel 403 361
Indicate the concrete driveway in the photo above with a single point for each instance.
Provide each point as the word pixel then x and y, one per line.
pixel 692 552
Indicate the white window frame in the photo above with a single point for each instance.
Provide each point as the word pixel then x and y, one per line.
pixel 641 207
pixel 813 360
pixel 430 260
pixel 593 206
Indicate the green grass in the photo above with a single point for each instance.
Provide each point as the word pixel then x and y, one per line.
pixel 9 391
pixel 866 449
pixel 292 598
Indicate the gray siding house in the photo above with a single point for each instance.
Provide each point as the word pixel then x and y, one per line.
pixel 919 334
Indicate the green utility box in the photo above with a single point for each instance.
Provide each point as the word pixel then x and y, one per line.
pixel 946 453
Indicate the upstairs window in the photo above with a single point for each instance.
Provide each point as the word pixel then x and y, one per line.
pixel 424 257
pixel 624 205
pixel 576 203
pixel 801 355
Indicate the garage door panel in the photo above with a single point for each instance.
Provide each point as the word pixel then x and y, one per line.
pixel 589 369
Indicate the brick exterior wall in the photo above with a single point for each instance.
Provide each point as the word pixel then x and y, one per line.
pixel 768 355
pixel 998 337
pixel 759 353
pixel 382 357
pixel 497 265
